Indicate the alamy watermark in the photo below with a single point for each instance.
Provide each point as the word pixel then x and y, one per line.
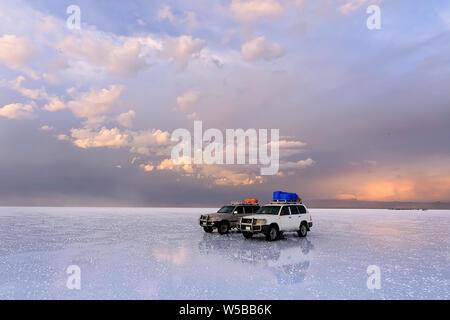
pixel 73 22
pixel 374 20
pixel 374 279
pixel 240 147
pixel 74 280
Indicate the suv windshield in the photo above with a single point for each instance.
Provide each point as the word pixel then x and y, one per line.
pixel 226 209
pixel 268 210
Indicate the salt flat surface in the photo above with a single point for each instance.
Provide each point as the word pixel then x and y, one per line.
pixel 162 253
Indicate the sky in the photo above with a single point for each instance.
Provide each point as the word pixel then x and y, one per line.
pixel 86 115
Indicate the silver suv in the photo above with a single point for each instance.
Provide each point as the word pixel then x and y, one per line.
pixel 227 217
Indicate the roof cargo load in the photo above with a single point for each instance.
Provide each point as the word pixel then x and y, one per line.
pixel 251 201
pixel 285 196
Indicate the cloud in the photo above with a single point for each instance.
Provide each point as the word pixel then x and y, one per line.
pixel 17 111
pixel 188 100
pixel 386 189
pixel 15 53
pixel 95 103
pixel 189 19
pixel 46 128
pixel 112 138
pixel 126 119
pixel 289 147
pixel 50 78
pixel 148 141
pixel 192 116
pixel 255 9
pixel 147 167
pixel 230 176
pixel 182 49
pixel 53 102
pixel 152 143
pixel 92 52
pixel 16 85
pixel 166 13
pixel 141 22
pixel 351 5
pixel 258 48
pixel 292 167
pixel 134 159
pixel 346 196
pixel 126 60
pixel 62 137
pixel 408 182
pixel 48 24
pixel 291 144
pixel 168 164
pixel 301 164
pixel 118 56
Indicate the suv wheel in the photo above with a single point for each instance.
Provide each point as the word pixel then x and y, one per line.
pixel 272 235
pixel 247 235
pixel 303 230
pixel 208 229
pixel 223 228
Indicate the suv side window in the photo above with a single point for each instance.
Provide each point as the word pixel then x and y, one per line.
pixel 285 211
pixel 248 209
pixel 251 209
pixel 294 210
pixel 302 209
pixel 239 209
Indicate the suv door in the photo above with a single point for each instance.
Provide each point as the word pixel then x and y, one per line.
pixel 296 217
pixel 249 210
pixel 302 209
pixel 239 210
pixel 304 214
pixel 285 219
pixel 240 213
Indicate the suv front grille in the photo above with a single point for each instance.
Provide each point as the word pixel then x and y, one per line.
pixel 205 221
pixel 246 220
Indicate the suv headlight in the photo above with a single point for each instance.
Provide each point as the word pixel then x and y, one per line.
pixel 260 222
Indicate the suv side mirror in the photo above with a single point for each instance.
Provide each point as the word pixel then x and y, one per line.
pixel 235 212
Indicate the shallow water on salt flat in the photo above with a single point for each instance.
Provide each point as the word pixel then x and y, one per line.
pixel 162 253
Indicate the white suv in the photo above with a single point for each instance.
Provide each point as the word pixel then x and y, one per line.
pixel 275 218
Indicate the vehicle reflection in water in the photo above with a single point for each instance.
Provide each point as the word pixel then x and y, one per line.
pixel 286 258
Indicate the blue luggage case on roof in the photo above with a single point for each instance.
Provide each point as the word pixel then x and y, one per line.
pixel 285 196
pixel 276 195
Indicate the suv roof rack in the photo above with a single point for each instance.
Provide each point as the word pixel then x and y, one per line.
pixel 285 202
pixel 241 202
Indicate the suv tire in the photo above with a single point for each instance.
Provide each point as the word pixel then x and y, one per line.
pixel 303 231
pixel 208 229
pixel 223 227
pixel 272 234
pixel 247 235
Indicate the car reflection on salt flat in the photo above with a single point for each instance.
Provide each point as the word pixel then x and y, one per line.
pixel 287 258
